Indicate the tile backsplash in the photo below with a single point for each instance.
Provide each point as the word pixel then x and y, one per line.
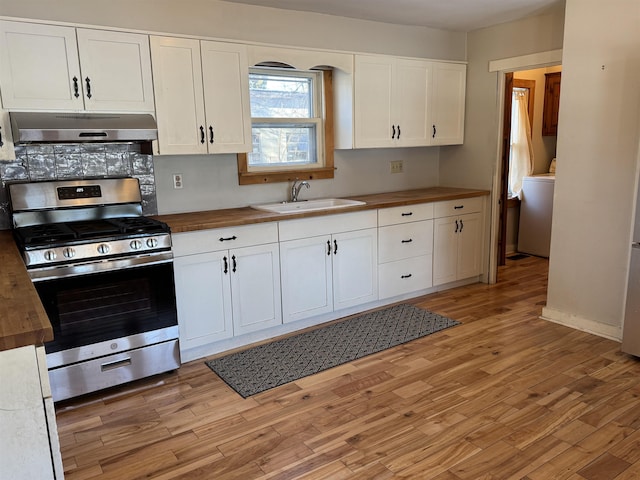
pixel 36 162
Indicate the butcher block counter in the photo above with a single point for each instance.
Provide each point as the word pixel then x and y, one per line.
pixel 186 222
pixel 23 320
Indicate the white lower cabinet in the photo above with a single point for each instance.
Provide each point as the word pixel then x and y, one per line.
pixel 457 240
pixel 405 239
pixel 29 444
pixel 331 271
pixel 228 292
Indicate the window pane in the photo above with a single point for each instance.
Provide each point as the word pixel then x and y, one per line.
pixel 283 145
pixel 280 96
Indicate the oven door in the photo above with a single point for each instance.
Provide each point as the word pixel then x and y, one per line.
pixel 109 311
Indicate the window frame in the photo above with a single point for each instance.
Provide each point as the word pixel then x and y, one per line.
pixel 263 175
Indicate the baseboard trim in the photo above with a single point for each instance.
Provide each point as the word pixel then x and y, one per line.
pixel 583 324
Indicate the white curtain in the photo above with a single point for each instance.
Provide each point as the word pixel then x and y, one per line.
pixel 521 155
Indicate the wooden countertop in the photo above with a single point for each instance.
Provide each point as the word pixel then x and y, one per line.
pixel 23 320
pixel 187 222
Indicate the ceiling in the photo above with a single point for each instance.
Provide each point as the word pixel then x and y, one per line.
pixel 458 15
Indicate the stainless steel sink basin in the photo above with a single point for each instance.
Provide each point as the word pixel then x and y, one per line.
pixel 307 205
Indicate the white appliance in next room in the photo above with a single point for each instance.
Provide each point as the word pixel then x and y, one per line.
pixel 631 327
pixel 536 209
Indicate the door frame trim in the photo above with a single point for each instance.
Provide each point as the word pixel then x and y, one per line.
pixel 501 67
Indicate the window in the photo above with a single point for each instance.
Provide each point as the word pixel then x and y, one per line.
pixel 290 112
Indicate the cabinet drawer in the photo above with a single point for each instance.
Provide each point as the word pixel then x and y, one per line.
pixel 326 225
pixel 396 242
pixel 458 207
pixel 191 243
pixel 404 214
pixel 404 276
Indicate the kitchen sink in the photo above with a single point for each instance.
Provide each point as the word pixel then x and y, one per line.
pixel 308 205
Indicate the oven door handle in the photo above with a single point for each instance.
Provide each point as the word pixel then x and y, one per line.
pixel 99 266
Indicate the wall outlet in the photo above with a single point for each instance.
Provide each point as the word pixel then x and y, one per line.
pixel 395 166
pixel 177 181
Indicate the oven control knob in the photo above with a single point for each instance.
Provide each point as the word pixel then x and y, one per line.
pixel 135 244
pixel 103 248
pixel 152 242
pixel 69 252
pixel 50 255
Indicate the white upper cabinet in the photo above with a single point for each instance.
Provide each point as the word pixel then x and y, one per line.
pixel 202 96
pixel 402 102
pixel 116 71
pixel 46 67
pixel 391 102
pixel 447 105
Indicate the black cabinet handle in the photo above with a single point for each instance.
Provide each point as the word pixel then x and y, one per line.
pixel 407 241
pixel 393 132
pixel 201 134
pixel 233 262
pixel 222 239
pixel 434 132
pixel 405 276
pixel 328 247
pixel 335 247
pixel 76 89
pixel 461 226
pixel 210 134
pixel 398 132
pixel 458 207
pixel 88 82
pixel 226 265
pixel 1 142
pixel 456 227
pixel 408 214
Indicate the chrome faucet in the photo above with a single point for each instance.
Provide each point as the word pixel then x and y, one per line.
pixel 295 189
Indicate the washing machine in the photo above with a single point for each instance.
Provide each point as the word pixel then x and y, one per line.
pixel 536 209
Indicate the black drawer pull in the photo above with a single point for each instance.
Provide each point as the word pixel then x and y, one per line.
pixel 461 226
pixel 407 214
pixel 405 276
pixel 201 134
pixel 75 87
pixel 210 134
pixel 407 241
pixel 222 239
pixel 458 207
pixel 88 82
pixel 233 262
pixel 335 247
pixel 226 265
pixel 457 227
pixel 1 142
pixel 328 247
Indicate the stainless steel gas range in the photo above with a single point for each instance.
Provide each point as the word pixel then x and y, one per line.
pixel 104 273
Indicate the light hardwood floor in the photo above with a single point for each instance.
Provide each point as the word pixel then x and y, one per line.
pixel 505 395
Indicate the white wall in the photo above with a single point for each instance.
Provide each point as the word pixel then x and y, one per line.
pixel 597 165
pixel 215 18
pixel 211 180
pixel 473 164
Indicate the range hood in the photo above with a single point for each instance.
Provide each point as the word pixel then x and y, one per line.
pixel 30 127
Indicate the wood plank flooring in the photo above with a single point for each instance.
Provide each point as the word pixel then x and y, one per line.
pixel 503 396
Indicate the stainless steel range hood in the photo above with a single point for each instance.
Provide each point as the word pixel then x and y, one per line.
pixel 30 127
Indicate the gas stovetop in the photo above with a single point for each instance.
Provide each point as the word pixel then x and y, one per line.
pixel 69 233
pixel 66 222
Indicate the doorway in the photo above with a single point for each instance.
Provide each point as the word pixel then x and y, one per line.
pixel 503 221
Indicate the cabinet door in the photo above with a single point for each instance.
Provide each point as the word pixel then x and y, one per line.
pixel 116 71
pixel 225 74
pixel 411 86
pixel 445 250
pixel 469 245
pixel 177 79
pixel 355 269
pixel 7 151
pixel 372 98
pixel 305 269
pixel 203 298
pixel 255 288
pixel 39 65
pixel 447 113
